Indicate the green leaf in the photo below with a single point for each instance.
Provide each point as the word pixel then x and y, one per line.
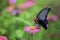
pixel 19 33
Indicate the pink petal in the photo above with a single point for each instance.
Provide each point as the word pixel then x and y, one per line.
pixel 3 38
pixel 10 8
pixel 29 4
pixel 26 29
pixel 12 1
pixel 37 30
pixel 37 27
pixel 31 31
pixel 52 18
pixel 25 5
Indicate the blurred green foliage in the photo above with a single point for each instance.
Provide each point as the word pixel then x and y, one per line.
pixel 13 26
pixel 3 4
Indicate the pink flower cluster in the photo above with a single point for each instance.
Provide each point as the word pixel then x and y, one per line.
pixel 3 38
pixel 21 7
pixel 32 29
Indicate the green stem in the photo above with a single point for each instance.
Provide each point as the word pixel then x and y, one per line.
pixel 31 36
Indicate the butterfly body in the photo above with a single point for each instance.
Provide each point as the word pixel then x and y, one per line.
pixel 41 18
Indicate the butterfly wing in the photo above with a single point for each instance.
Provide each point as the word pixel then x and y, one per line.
pixel 43 13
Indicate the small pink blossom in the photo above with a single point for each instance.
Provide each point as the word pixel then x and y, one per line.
pixel 3 38
pixel 32 29
pixel 12 1
pixel 52 18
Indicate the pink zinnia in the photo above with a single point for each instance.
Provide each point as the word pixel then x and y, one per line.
pixel 3 38
pixel 12 1
pixel 32 29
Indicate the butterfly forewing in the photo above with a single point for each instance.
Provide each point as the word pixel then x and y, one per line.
pixel 43 13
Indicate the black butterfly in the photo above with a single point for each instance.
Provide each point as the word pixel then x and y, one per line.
pixel 41 18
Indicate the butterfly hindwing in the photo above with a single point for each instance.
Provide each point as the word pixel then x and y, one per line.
pixel 42 23
pixel 46 24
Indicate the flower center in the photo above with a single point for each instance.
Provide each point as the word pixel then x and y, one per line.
pixel 32 27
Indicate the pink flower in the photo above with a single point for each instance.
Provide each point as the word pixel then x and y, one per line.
pixel 14 12
pixel 3 38
pixel 26 5
pixel 12 1
pixel 52 18
pixel 32 29
pixel 29 4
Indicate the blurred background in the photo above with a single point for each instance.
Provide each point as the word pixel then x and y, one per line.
pixel 16 14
